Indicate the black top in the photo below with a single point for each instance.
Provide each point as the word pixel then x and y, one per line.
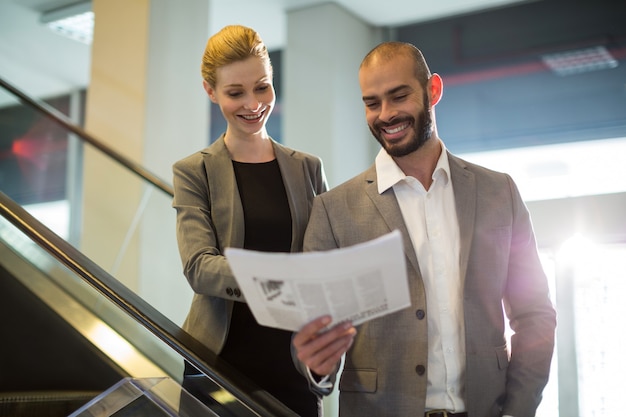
pixel 263 353
pixel 267 218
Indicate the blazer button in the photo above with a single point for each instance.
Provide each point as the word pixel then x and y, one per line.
pixel 237 292
pixel 420 369
pixel 420 314
pixel 229 291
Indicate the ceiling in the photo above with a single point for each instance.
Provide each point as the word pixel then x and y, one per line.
pixel 390 13
pixel 26 45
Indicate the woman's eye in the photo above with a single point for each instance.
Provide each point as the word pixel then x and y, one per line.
pixel 234 94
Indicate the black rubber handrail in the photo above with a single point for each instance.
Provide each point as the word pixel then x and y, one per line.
pixel 258 401
pixel 65 122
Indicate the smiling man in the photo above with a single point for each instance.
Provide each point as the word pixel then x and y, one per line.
pixel 472 263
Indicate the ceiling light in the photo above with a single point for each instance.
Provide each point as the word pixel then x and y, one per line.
pixel 74 21
pixel 578 61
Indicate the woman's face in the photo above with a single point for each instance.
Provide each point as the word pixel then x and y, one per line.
pixel 245 94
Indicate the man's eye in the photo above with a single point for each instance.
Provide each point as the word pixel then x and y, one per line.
pixel 371 105
pixel 400 98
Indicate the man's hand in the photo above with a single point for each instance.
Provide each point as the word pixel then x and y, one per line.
pixel 321 350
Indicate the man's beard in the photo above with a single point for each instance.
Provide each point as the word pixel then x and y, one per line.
pixel 422 131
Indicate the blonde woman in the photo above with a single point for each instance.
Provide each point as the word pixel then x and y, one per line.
pixel 247 191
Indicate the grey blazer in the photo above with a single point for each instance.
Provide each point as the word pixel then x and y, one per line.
pixel 385 370
pixel 209 218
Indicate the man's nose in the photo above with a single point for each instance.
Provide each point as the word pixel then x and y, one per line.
pixel 387 112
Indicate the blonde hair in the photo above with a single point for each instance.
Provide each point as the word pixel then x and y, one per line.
pixel 231 44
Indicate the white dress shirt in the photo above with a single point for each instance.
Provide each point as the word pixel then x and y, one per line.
pixel 431 220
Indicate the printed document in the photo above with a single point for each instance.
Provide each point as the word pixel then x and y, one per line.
pixel 356 283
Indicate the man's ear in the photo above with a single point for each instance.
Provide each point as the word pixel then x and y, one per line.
pixel 209 90
pixel 435 89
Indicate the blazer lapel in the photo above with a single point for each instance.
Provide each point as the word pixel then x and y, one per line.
pixel 226 207
pixel 293 177
pixel 465 202
pixel 388 207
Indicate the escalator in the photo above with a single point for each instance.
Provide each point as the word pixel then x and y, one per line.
pixel 48 367
pixel 68 370
pixel 76 341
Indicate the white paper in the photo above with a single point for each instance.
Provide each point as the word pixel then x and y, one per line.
pixel 356 283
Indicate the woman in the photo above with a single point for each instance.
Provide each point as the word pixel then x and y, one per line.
pixel 245 191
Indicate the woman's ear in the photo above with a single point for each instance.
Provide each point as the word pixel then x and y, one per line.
pixel 209 90
pixel 435 89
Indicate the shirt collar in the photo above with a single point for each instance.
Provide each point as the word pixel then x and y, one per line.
pixel 388 173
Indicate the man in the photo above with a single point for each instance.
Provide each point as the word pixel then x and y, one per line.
pixel 471 253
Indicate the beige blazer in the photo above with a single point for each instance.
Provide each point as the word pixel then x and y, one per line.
pixel 385 370
pixel 209 218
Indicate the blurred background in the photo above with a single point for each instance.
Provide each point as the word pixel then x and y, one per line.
pixel 534 88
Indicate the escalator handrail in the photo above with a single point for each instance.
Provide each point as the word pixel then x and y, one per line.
pixel 150 318
pixel 65 122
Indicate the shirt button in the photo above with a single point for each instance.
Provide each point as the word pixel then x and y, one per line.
pixel 420 314
pixel 420 369
pixel 237 292
pixel 229 291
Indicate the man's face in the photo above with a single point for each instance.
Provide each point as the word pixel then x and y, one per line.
pixel 396 105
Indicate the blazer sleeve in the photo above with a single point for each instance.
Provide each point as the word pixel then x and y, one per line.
pixel 531 314
pixel 318 236
pixel 204 265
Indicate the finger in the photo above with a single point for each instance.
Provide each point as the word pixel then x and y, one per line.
pixel 326 360
pixel 323 345
pixel 308 344
pixel 311 330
